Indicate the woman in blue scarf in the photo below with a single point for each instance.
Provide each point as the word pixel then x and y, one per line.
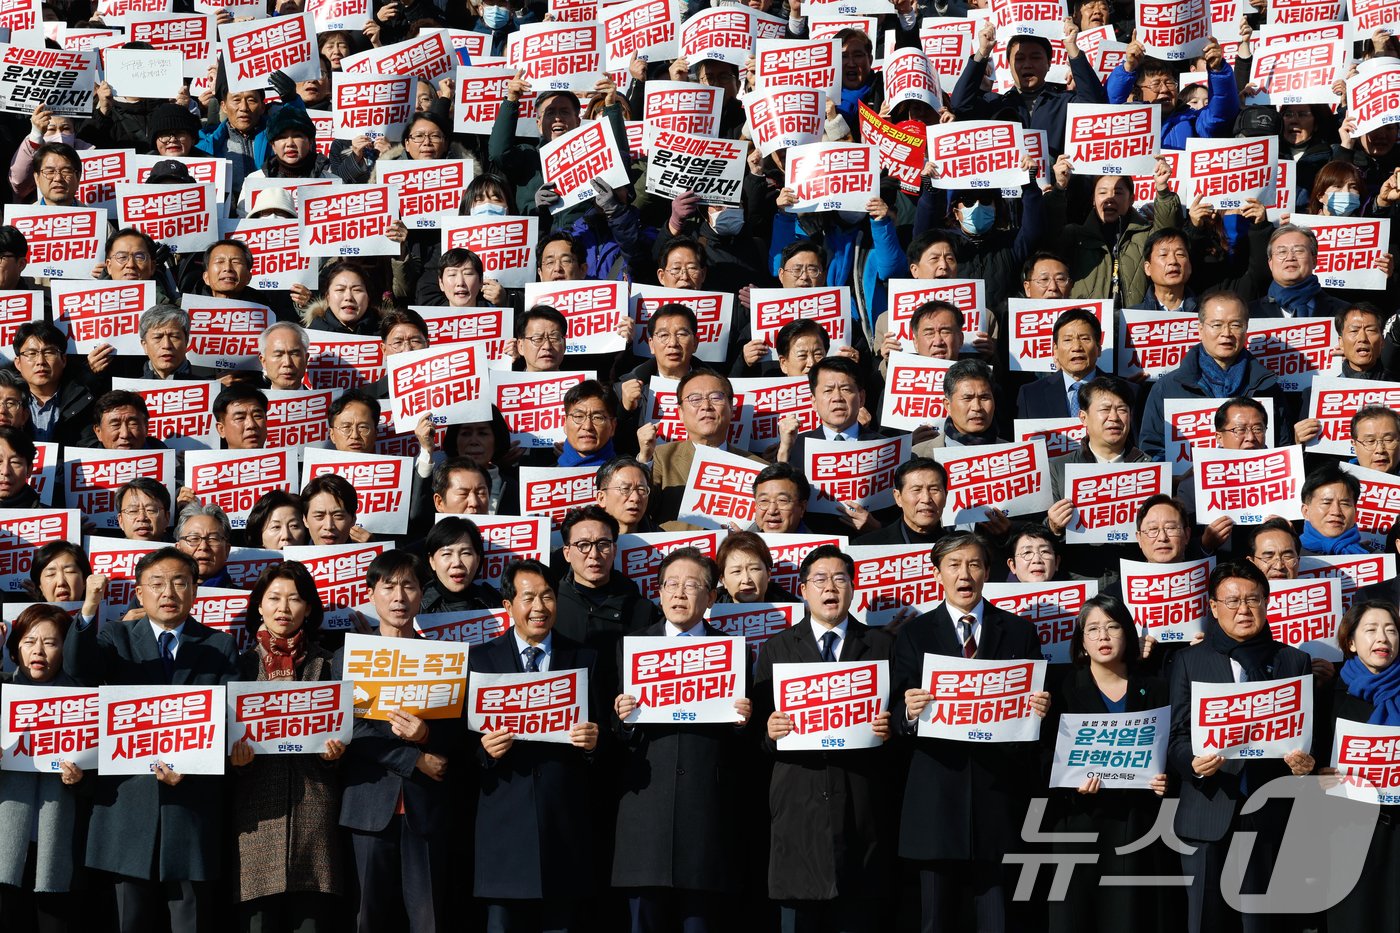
pixel 1368 691
pixel 1329 512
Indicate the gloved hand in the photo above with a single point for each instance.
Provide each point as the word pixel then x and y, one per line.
pixel 682 207
pixel 606 196
pixel 546 197
pixel 286 88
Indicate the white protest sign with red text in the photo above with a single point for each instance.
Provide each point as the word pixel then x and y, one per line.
pixel 507 538
pixel 505 245
pixel 430 190
pixel 833 176
pixel 1174 30
pixel 719 34
pixel 844 473
pixel 1378 506
pixel 1107 496
pixel 480 92
pixel 533 707
pixel 1168 601
pixel 557 56
pixel 683 680
pixel 1113 139
pixel 92 477
pixel 468 626
pixel 343 361
pixel 97 312
pixel 1225 173
pixel 1044 18
pixel 43 726
pixel 102 169
pixel 948 42
pixel 424 678
pixel 909 76
pixel 348 220
pixel 251 51
pixel 683 107
pixel 381 483
pixel 892 580
pixel 638 556
pixel 754 622
pixel 1061 436
pixel 1349 249
pixel 235 480
pixel 1304 613
pixel 1373 97
pixel 335 15
pixel 772 308
pixel 298 417
pixel 571 162
pixel 799 63
pixel 552 491
pixel 371 105
pixel 116 559
pixel 1051 607
pixel 22 532
pixel 1336 400
pixel 1154 342
pixel 1298 72
pixel 533 404
pixel 906 296
pixel 1032 322
pixel 713 311
pixel 275 244
pixel 719 489
pixel 914 391
pixel 831 705
pixel 977 154
pixel 225 332
pixel 182 413
pixel 183 217
pixel 64 242
pixel 648 29
pixel 338 571
pixel 769 401
pixel 1012 477
pixel 1252 720
pixel 225 609
pixel 592 309
pixel 1367 758
pixel 781 117
pixel 1294 350
pixel 289 718
pixel 1248 485
pixel 1355 571
pixel 980 701
pixel 428 57
pixel 180 727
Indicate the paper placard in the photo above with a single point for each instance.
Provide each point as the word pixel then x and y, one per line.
pixel 505 245
pixel 712 169
pixel 591 309
pixel 1123 750
pixel 92 477
pixel 683 680
pixel 771 308
pixel 533 404
pixel 558 56
pixel 783 117
pixel 573 161
pixel 64 242
pixel 348 220
pixel 1294 350
pixel 1154 342
pixel 98 312
pixel 833 176
pixel 1303 614
pixel 980 701
pixel 1032 325
pixel 371 105
pixel 1168 601
pixel 1336 400
pixel 1113 139
pixel 254 50
pixel 62 81
pixel 180 727
pixel 1174 30
pixel 1349 249
pixel 1226 173
pixel 799 63
pixel 719 489
pixel 1253 720
pixel 183 217
pixel 1012 477
pixel 289 718
pixel 427 679
pixel 133 73
pixel 913 391
pixel 1367 757
pixel 719 34
pixel 42 726
pixel 638 556
pixel 853 472
pixel 1051 607
pixel 1248 486
pixel 1107 497
pixel 533 707
pixel 648 29
pixel 831 705
pixel 430 190
pixel 1061 436
pixel 382 485
pixel 235 480
pixel 977 154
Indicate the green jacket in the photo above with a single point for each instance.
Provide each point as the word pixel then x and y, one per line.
pixel 1088 248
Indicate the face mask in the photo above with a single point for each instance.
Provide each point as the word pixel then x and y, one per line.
pixel 728 222
pixel 978 218
pixel 488 209
pixel 1236 227
pixel 1343 203
pixel 66 138
pixel 851 218
pixel 495 16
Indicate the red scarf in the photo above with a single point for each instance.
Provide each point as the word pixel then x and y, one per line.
pixel 281 656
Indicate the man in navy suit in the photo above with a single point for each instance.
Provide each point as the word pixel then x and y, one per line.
pixel 1238 647
pixel 1078 344
pixel 534 834
pixel 396 803
pixel 963 803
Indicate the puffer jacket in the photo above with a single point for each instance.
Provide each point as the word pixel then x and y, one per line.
pixel 1092 250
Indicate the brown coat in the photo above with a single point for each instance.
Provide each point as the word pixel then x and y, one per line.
pixel 286 812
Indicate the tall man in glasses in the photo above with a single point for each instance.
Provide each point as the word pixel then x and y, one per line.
pixel 57 171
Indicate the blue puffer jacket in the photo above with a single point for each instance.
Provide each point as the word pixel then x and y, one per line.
pixel 885 261
pixel 1216 119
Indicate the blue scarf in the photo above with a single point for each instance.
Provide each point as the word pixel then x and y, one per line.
pixel 1218 381
pixel 1381 690
pixel 1348 542
pixel 568 457
pixel 1297 300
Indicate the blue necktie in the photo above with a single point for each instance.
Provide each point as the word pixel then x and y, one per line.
pixel 1073 398
pixel 167 653
pixel 532 659
pixel 829 646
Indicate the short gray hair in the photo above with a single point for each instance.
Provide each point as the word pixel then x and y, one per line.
pixel 962 371
pixel 160 315
pixel 195 510
pixel 302 336
pixel 1306 233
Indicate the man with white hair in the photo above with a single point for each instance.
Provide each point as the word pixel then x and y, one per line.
pixel 284 349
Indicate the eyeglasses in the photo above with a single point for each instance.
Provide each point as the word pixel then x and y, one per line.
pixel 813 271
pixel 407 343
pixel 149 511
pixel 679 336
pixel 1288 560
pixel 1370 443
pixel 691 587
pixel 1235 602
pixel 34 356
pixel 211 540
pixel 1046 280
pixel 179 585
pixel 426 138
pixel 354 430
pixel 1234 327
pixel 11 405
pixel 604 545
pixel 696 399
pixel 554 338
pixel 122 258
pixel 1110 629
pixel 820 580
pixel 1157 84
pixel 1286 252
pixel 627 490
pixel 687 269
pixel 581 418
pixel 66 174
pixel 1245 430
pixel 775 503
pixel 1153 532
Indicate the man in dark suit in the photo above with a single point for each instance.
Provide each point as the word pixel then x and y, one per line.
pixel 162 836
pixel 963 803
pixel 920 492
pixel 534 835
pixel 1238 648
pixel 829 850
pixel 395 803
pixel 1078 344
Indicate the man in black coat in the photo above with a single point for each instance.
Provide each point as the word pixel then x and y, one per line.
pixel 534 831
pixel 161 835
pixel 920 492
pixel 1078 344
pixel 1238 648
pixel 832 814
pixel 963 803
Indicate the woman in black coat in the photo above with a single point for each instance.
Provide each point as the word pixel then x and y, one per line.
pixel 455 550
pixel 1105 652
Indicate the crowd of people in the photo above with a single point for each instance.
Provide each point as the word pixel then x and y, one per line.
pixel 425 825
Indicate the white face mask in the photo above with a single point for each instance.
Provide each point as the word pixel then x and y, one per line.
pixel 488 208
pixel 66 138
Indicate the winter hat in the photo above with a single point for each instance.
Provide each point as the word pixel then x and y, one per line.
pixel 171 118
pixel 290 119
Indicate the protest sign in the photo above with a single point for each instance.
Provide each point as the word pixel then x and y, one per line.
pixel 275 244
pixel 1354 571
pixel 1107 496
pixel 371 105
pixel 1154 342
pixel 116 559
pixel 1012 477
pixel 713 311
pixel 573 11
pixel 784 63
pixel 338 571
pixel 557 56
pixel 1254 720
pixel 505 245
pixel 60 80
pixel 42 479
pixel 719 489
pixel 349 220
pixel 1190 423
pixel 1061 436
pixel 853 472
pixel 42 726
pixel 206 170
pixel 224 609
pixel 102 170
pixel 1336 400
pixel 382 485
pixel 1122 750
pixel 64 242
pixel 1294 350
pixel 1366 16
pixel 833 176
pixel 337 15
pixel 892 581
pixel 183 217
pixel 754 622
pixel 718 34
pixel 343 361
pixel 825 26
pixel 491 328
pixel 288 718
pixel 781 117
pixel 101 312
pixel 553 491
pixel 1378 506
pixel 1298 72
pixel 638 556
pixel 851 7
pixel 1367 758
pixel 533 707
pixel 253 50
pixel 429 57
pixel 1247 485
pixel 1168 601
pixel 573 161
pixel 430 190
pixel 235 480
pixel 1349 249
pixel 1113 139
pixel 92 477
pixel 909 76
pixel 181 413
pixel 22 532
pixel 712 169
pixel 467 626
pixel 192 35
pixel 1303 614
pixel 1032 329
pixel 1044 18
pixel 224 332
pixel 180 727
pixel 976 154
pixel 683 680
pixel 902 146
pixel 772 308
pixel 683 107
pixel 769 400
pixel 1051 607
pixel 424 678
pixel 660 406
pixel 980 701
pixel 1225 173
pixel 913 391
pixel 17 307
pixel 1283 191
pixel 647 29
pixel 88 40
pixel 143 73
pixel 510 537
pixel 593 311
pixel 294 187
pixel 480 91
pixel 1174 30
pixel 948 43
pixel 1373 98
pixel 533 404
pixel 831 705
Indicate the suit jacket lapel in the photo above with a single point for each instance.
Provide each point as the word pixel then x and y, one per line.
pixel 853 646
pixel 944 640
pixel 991 632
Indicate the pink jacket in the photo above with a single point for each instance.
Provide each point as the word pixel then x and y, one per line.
pixel 22 166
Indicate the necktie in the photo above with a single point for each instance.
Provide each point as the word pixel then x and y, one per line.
pixel 965 630
pixel 839 437
pixel 167 653
pixel 829 646
pixel 532 659
pixel 1073 398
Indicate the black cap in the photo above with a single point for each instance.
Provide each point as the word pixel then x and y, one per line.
pixel 1258 121
pixel 170 172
